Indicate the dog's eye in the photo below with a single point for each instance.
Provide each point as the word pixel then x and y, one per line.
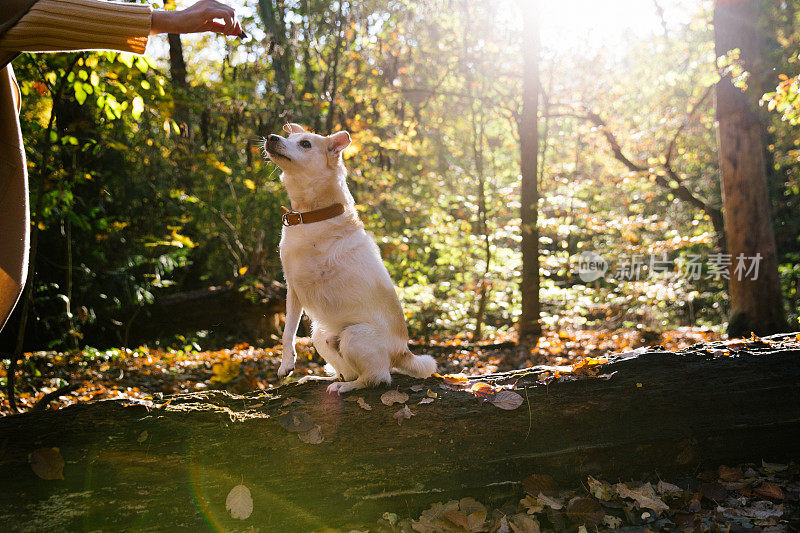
pixel 305 144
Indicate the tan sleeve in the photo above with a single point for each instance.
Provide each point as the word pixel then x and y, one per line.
pixel 68 25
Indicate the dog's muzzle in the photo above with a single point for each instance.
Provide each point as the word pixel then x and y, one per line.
pixel 273 145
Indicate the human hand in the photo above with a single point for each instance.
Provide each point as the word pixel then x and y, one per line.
pixel 205 15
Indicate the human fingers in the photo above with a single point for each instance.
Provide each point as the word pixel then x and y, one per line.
pixel 229 24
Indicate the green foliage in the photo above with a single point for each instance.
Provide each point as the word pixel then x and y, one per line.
pixel 155 187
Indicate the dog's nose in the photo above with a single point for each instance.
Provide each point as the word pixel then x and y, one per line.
pixel 273 138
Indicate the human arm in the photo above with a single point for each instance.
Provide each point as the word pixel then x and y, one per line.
pixel 66 25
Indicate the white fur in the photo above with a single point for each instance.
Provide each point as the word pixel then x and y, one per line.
pixel 335 274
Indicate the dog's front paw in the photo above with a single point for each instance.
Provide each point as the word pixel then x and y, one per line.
pixel 340 387
pixel 285 369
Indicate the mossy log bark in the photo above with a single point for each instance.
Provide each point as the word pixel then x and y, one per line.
pixel 171 465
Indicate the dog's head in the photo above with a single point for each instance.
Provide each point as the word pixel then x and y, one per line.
pixel 303 153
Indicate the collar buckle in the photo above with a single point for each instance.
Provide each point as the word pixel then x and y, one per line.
pixel 292 218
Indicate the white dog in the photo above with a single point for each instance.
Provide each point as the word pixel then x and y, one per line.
pixel 334 271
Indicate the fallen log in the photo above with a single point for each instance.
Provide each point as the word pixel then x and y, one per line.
pixel 311 460
pixel 248 313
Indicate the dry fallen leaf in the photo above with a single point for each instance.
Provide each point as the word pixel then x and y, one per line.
pixel 502 525
pixel 531 504
pixel 585 511
pixel 769 491
pixel 589 366
pixel 521 523
pixel 452 379
pixel 552 503
pixel 425 400
pixel 735 343
pixel 142 437
pixel 540 483
pixel 645 496
pixel 773 468
pixel 457 517
pixel 312 436
pixel 296 421
pixel 483 391
pixel 239 503
pixel 394 396
pixel 470 515
pixel 476 521
pixel 290 401
pixel 47 463
pixel 363 404
pixel 726 473
pixel 433 519
pixel 403 414
pixel 667 488
pixel 600 489
pixel 506 399
pixel 471 505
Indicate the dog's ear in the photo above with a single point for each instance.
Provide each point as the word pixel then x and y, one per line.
pixel 338 142
pixel 291 127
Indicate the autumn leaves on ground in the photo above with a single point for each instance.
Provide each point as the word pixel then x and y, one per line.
pixel 143 372
pixel 749 497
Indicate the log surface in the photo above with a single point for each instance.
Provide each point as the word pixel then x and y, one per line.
pixel 170 465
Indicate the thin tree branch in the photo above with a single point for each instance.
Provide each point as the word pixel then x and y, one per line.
pixel 45 400
pixel 689 117
pixel 668 178
pixel 660 12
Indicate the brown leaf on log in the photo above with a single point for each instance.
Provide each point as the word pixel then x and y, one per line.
pixel 540 483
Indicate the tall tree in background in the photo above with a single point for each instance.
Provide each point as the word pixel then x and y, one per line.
pixel 756 304
pixel 529 327
pixel 273 15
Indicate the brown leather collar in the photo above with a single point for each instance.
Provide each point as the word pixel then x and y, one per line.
pixel 293 218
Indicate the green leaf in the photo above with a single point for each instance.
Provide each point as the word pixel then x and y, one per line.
pixel 141 64
pixel 80 94
pixel 126 59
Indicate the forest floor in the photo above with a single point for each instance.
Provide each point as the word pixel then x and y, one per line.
pixel 756 497
pixel 143 372
pixel 749 498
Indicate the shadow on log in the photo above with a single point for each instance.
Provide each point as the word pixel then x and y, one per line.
pixel 171 465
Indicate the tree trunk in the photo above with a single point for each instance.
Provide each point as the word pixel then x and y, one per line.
pixel 333 71
pixel 171 464
pixel 177 65
pixel 756 300
pixel 177 72
pixel 274 19
pixel 530 328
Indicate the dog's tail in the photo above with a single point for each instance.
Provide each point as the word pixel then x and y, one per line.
pixel 418 366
